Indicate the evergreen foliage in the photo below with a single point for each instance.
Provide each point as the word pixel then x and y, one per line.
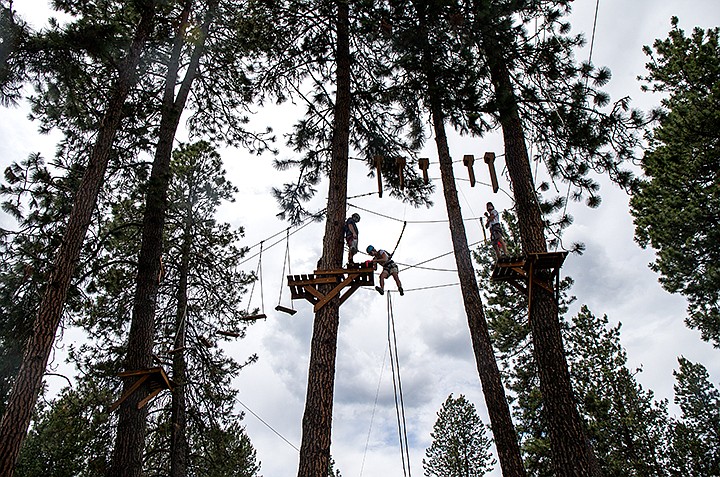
pixel 677 204
pixel 460 447
pixel 695 435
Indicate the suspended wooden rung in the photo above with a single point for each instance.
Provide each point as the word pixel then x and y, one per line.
pixel 155 379
pixel 285 309
pixel 400 163
pixel 469 160
pixel 424 163
pixel 378 171
pixel 233 334
pixel 259 316
pixel 490 161
pixel 205 342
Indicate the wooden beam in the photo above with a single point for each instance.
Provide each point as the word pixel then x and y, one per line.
pixel 469 160
pixel 490 161
pixel 424 163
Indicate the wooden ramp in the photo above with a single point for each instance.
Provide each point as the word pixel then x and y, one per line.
pixel 352 278
pixel 156 380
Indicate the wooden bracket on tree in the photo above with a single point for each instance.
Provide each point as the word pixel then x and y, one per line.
pixel 400 163
pixel 155 379
pixel 378 171
pixel 534 269
pixel 469 160
pixel 424 163
pixel 490 161
pixel 305 286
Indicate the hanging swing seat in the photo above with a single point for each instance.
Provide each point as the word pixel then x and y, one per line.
pixel 155 379
pixel 259 316
pixel 285 309
pixel 305 286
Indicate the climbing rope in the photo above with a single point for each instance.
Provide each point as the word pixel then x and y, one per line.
pixel 397 388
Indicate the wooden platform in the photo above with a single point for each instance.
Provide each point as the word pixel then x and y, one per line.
pixel 533 269
pixel 156 380
pixel 518 270
pixel 352 278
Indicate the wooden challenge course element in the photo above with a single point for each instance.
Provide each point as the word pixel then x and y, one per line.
pixel 469 160
pixel 534 269
pixel 378 169
pixel 400 163
pixel 424 163
pixel 156 380
pixel 305 286
pixel 490 161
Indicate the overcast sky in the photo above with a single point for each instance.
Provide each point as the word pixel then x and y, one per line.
pixel 433 342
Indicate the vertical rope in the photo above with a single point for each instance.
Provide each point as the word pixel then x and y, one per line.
pixel 397 388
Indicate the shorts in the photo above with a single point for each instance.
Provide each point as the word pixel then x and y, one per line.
pixel 352 244
pixel 390 268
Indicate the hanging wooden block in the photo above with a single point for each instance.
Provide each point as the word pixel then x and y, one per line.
pixel 378 171
pixel 424 163
pixel 205 342
pixel 259 316
pixel 490 161
pixel 469 160
pixel 285 309
pixel 232 334
pixel 400 162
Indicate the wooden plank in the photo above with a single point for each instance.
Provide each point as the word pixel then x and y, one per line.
pixel 147 398
pixel 139 372
pixel 334 291
pixel 129 391
pixel 347 294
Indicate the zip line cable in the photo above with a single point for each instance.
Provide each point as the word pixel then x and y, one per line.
pixel 397 388
pixel 267 425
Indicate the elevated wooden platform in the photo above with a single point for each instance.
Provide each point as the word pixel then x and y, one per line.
pixel 533 269
pixel 156 380
pixel 354 277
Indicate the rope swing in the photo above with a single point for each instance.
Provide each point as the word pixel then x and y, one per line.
pixel 258 273
pixel 279 307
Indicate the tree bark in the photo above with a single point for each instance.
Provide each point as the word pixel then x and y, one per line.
pixel 178 423
pixel 28 382
pixel 571 451
pixel 130 439
pixel 505 437
pixel 317 417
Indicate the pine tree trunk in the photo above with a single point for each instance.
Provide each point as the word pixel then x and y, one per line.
pixel 178 422
pixel 505 437
pixel 28 382
pixel 130 438
pixel 317 418
pixel 571 451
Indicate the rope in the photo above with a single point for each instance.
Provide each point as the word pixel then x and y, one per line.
pixel 267 425
pixel 258 272
pixel 285 261
pixel 397 388
pixel 398 240
pixel 409 221
pixel 372 416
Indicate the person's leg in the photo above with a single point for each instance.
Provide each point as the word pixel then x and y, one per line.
pixel 397 281
pixel 381 288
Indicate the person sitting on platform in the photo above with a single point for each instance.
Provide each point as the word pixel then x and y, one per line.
pixel 389 268
pixel 496 233
pixel 351 236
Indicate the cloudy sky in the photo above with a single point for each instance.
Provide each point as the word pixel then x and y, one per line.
pixel 433 342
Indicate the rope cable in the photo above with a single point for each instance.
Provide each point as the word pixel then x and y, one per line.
pixel 397 388
pixel 267 425
pixel 372 415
